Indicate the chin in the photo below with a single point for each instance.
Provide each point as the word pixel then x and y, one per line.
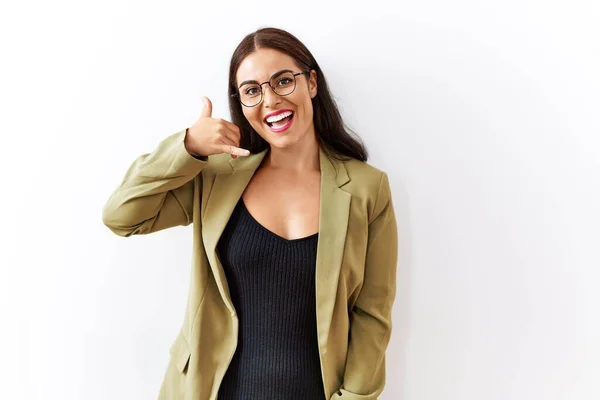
pixel 285 139
pixel 279 140
pixel 282 142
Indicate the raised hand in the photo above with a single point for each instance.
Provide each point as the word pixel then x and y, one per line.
pixel 213 135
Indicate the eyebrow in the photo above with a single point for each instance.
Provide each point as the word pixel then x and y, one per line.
pixel 276 74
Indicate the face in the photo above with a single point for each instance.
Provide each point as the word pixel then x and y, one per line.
pixel 260 66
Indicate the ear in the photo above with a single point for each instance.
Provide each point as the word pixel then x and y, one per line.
pixel 312 83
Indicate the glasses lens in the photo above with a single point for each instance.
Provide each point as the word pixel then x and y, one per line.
pixel 250 94
pixel 284 84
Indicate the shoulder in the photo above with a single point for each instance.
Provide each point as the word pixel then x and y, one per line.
pixel 363 172
pixel 367 184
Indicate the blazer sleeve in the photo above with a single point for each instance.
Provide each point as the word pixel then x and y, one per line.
pixel 371 316
pixel 157 191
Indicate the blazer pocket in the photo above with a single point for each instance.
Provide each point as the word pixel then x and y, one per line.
pixel 180 352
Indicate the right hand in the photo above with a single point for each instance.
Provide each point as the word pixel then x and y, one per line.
pixel 213 136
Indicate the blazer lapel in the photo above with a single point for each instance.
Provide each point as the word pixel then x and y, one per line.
pixel 226 192
pixel 333 223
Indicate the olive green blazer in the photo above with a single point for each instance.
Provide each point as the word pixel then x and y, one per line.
pixel 355 267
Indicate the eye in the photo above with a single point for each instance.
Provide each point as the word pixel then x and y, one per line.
pixel 251 91
pixel 284 81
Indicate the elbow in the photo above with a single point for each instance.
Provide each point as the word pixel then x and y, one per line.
pixel 112 219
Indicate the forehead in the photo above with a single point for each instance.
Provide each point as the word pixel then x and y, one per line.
pixel 263 63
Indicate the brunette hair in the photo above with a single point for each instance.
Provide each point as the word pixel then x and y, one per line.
pixel 336 139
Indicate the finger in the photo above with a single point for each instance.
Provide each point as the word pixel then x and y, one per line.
pixel 224 130
pixel 232 127
pixel 234 151
pixel 231 143
pixel 207 110
pixel 231 139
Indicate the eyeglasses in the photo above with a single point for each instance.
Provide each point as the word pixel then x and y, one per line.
pixel 282 83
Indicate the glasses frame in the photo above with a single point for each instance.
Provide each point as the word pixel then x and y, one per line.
pixel 260 85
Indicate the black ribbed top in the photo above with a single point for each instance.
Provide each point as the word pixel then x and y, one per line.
pixel 272 285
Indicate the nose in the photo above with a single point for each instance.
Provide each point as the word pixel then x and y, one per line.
pixel 270 98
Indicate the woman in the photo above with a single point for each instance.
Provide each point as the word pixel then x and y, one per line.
pixel 295 240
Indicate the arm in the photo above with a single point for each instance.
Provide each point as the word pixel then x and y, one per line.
pixel 157 190
pixel 371 317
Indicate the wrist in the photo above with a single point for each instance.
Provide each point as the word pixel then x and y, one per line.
pixel 189 148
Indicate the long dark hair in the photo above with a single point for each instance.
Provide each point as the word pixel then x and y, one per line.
pixel 336 139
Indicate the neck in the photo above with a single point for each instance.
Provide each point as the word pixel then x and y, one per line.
pixel 302 157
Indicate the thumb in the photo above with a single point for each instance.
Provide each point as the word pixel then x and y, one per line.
pixel 207 110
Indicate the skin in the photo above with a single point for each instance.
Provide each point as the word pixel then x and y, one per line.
pixel 284 193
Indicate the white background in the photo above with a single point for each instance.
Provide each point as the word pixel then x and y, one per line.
pixel 484 114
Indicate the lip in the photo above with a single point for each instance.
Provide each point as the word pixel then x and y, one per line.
pixel 276 113
pixel 283 128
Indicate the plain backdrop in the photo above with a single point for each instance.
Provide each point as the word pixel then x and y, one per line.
pixel 485 115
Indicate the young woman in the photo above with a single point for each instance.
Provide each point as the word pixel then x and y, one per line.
pixel 295 238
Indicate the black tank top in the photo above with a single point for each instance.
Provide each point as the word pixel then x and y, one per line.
pixel 272 285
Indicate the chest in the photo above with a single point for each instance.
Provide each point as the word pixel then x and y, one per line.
pixel 285 204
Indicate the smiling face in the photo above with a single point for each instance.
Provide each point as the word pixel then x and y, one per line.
pixel 283 121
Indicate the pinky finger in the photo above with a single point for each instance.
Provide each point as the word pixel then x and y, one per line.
pixel 235 151
pixel 229 146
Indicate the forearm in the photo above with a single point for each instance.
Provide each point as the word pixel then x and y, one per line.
pixel 156 191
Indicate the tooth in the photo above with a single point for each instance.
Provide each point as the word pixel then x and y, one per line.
pixel 279 117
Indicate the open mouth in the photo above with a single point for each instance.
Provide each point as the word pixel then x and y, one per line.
pixel 280 120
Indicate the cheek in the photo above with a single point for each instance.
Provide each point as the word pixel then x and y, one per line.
pixel 246 113
pixel 252 117
pixel 304 104
pixel 308 110
pixel 255 121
